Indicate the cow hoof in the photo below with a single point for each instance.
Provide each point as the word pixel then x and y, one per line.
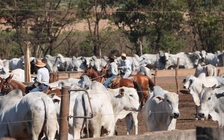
pixel 202 119
pixel 196 119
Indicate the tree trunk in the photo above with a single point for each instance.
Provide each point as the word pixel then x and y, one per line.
pixel 97 51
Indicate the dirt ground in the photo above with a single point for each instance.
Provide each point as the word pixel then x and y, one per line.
pixel 166 79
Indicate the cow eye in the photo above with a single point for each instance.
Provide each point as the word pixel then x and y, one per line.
pixel 209 98
pixel 168 101
pixel 131 95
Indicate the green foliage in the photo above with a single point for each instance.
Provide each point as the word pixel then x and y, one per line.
pixel 205 20
pixel 8 47
pixel 149 19
pixel 171 44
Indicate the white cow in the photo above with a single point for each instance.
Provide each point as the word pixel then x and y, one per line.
pixel 106 105
pixel 16 63
pixel 209 58
pixel 79 63
pixel 186 60
pixel 154 60
pixel 97 63
pixel 160 111
pixel 209 70
pixel 194 84
pixel 144 71
pixel 212 103
pixel 53 62
pixel 25 117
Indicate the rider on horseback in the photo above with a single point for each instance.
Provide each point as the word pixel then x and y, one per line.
pixel 42 80
pixel 124 65
pixel 112 70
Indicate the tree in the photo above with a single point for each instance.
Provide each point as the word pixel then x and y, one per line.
pixel 8 46
pixel 151 20
pixel 93 11
pixel 204 19
pixel 37 21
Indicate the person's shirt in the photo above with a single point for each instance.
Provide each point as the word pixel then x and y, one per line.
pixel 125 65
pixel 43 76
pixel 113 69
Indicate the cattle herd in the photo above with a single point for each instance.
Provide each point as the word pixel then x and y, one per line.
pixel 94 109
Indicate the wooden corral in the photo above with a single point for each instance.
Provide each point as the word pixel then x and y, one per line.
pixel 160 73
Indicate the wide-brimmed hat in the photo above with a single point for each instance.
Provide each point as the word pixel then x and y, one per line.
pixel 123 55
pixel 40 63
pixel 112 56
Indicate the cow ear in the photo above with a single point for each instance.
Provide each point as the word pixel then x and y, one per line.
pixel 158 99
pixel 213 87
pixel 184 81
pixel 121 91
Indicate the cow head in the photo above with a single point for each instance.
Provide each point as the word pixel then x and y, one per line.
pixel 188 81
pixel 129 98
pixel 170 101
pixel 209 99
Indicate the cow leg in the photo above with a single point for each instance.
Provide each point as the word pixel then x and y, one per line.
pixel 35 126
pixel 52 127
pixel 78 124
pixel 129 122
pixel 132 118
pixel 135 121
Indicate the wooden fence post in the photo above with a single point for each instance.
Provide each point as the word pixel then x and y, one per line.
pixel 176 75
pixel 64 113
pixel 155 76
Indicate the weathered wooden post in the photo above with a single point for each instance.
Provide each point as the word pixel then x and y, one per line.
pixel 155 76
pixel 64 113
pixel 27 63
pixel 176 75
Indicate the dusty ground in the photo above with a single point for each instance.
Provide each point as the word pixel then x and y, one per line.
pixel 186 104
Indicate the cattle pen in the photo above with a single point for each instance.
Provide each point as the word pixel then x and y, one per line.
pixel 187 127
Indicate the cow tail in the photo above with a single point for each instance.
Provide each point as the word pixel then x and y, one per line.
pixel 46 115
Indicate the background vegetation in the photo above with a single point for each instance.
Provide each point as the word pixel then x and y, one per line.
pixel 134 26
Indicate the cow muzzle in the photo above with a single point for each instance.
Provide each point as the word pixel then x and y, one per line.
pixel 202 115
pixel 176 115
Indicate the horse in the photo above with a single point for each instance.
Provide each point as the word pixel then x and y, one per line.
pixel 9 84
pixel 94 74
pixel 144 81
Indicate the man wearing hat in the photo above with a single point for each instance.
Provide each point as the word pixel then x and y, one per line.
pixel 124 65
pixel 42 78
pixel 112 70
